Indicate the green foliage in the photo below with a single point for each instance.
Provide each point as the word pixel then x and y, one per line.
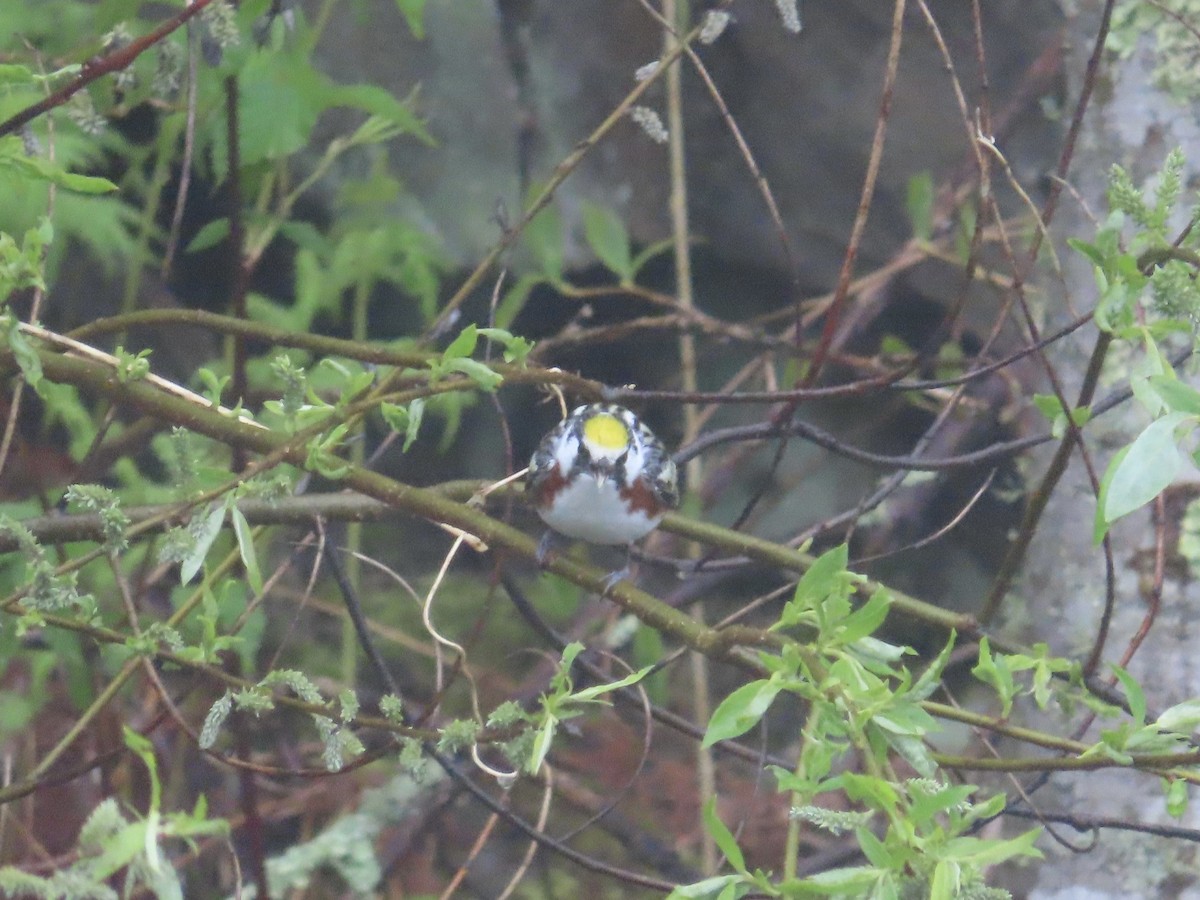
pixel 21 266
pixel 868 715
pixel 22 351
pixel 19 707
pixel 414 14
pixel 920 205
pixel 367 253
pixel 456 358
pixel 1147 282
pixel 346 847
pixel 404 420
pixel 283 95
pixel 337 740
pixel 110 841
pixel 392 708
pixel 323 454
pixel 132 366
pixel 1175 53
pixel 18 165
pixel 103 501
pixel 217 714
pixel 245 542
pixel 516 348
pixel 563 702
pixel 1050 407
pixel 1150 464
pixel 861 701
pixel 999 672
pixel 47 590
pixel 606 235
pixel 457 735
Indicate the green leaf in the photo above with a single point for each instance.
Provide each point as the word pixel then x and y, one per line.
pixel 927 805
pixel 740 711
pixel 26 357
pixel 414 15
pixel 903 717
pixel 945 881
pixel 1182 718
pixel 203 535
pixel 139 744
pixel 996 672
pixel 11 73
pixel 499 335
pixel 931 678
pixel 416 411
pixel 606 235
pixel 405 420
pixel 120 850
pixel 463 345
pixel 389 116
pixel 598 690
pixel 44 170
pixel 825 578
pixel 874 850
pixel 874 791
pixel 516 349
pixel 912 748
pixel 978 852
pixel 722 836
pixel 1134 694
pixel 1177 797
pixel 245 539
pixel 544 238
pixel 280 101
pixel 1091 251
pixel 478 372
pixel 988 809
pixel 1100 525
pixel 710 888
pixel 866 619
pixel 322 455
pixel 542 739
pixel 209 236
pixel 1048 406
pixel 1153 461
pixel 850 881
pixel 920 205
pixel 1178 397
pixel 570 654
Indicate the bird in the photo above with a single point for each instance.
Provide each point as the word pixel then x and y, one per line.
pixel 603 477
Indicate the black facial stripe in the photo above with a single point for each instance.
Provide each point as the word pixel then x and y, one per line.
pixel 619 467
pixel 583 460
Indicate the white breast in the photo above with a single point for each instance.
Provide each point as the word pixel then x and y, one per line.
pixel 593 511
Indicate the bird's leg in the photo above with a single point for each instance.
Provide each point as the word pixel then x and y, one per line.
pixel 547 548
pixel 626 571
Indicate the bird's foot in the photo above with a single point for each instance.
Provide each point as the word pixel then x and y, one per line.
pixel 623 573
pixel 615 578
pixel 547 548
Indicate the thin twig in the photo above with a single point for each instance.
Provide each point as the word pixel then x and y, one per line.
pixel 96 68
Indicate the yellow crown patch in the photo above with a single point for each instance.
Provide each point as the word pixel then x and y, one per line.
pixel 606 431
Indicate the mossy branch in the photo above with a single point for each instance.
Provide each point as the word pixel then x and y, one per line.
pixel 426 503
pixel 452 504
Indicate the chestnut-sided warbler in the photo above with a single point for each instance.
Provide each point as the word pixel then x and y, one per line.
pixel 602 476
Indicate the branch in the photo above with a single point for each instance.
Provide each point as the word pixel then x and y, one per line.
pixel 426 503
pixel 94 68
